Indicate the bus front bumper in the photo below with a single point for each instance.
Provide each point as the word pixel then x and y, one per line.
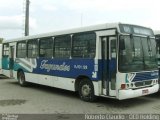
pixel 126 94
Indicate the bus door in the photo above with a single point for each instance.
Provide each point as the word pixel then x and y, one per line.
pixel 11 60
pixel 109 65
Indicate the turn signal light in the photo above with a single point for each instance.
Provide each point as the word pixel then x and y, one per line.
pixel 123 86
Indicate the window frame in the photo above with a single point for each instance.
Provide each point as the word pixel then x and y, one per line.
pixel 84 33
pixel 46 39
pixel 37 55
pixel 70 47
pixel 21 49
pixel 4 55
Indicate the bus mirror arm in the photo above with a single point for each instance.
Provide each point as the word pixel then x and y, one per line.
pixel 131 36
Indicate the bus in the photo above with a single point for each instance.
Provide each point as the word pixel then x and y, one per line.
pixel 113 60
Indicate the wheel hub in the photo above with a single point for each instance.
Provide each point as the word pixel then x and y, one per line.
pixel 85 90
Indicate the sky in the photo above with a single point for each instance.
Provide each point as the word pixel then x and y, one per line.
pixel 54 15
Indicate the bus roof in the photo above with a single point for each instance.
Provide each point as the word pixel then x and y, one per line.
pixel 70 31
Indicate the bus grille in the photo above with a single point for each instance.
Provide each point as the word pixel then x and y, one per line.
pixel 143 83
pixel 145 76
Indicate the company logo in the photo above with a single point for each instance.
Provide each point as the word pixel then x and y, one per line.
pixel 130 76
pixel 154 73
pixel 49 67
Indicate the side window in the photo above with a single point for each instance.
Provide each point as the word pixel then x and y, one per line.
pixel 158 44
pixel 62 47
pixel 113 47
pixel 84 45
pixel 46 47
pixel 6 49
pixel 32 48
pixel 21 49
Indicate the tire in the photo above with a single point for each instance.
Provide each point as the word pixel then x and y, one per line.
pixel 86 90
pixel 21 79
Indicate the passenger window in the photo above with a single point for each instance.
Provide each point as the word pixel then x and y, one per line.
pixel 113 48
pixel 84 45
pixel 21 49
pixel 46 47
pixel 6 49
pixel 32 47
pixel 62 47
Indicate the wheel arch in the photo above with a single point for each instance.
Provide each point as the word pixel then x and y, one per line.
pixel 82 81
pixel 18 71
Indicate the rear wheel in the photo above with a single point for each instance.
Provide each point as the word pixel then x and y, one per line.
pixel 21 79
pixel 86 90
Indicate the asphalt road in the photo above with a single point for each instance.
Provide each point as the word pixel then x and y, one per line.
pixel 38 99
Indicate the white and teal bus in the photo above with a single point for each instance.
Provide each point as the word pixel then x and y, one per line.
pixel 112 60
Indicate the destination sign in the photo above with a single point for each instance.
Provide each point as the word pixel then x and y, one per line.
pixel 133 29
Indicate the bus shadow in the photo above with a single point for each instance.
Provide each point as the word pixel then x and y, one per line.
pixel 48 89
pixel 121 105
pixel 101 102
pixel 155 95
pixel 2 77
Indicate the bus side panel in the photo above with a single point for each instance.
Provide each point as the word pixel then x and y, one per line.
pixel 69 68
pixel 5 63
pixel 5 66
pixel 60 73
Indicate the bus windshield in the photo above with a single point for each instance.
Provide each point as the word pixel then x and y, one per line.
pixel 137 54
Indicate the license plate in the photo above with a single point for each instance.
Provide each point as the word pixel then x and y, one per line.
pixel 146 91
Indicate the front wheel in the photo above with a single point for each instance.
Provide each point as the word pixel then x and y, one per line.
pixel 86 90
pixel 21 79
